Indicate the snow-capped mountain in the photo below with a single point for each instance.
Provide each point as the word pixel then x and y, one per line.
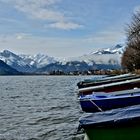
pixel 38 60
pixel 118 49
pixel 14 61
pixel 25 63
pixel 109 58
pixel 103 56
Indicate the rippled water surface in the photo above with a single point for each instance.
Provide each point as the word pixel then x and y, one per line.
pixel 39 107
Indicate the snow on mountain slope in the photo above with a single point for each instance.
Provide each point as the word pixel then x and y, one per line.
pixel 25 63
pixel 38 60
pixel 103 56
pixel 118 49
pixel 14 61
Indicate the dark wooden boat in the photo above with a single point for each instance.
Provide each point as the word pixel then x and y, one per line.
pixel 101 102
pixel 107 80
pixel 117 124
pixel 105 77
pixel 111 87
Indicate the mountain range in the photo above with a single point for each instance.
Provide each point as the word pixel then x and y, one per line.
pixel 108 58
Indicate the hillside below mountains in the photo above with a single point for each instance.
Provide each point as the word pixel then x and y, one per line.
pixel 7 70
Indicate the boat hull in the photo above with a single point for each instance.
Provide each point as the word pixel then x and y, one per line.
pixel 113 88
pixel 96 105
pixel 104 81
pixel 100 80
pixel 116 124
pixel 114 133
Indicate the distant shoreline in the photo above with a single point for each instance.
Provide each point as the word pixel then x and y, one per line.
pixel 99 72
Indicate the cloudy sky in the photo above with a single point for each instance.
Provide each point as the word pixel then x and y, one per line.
pixel 63 28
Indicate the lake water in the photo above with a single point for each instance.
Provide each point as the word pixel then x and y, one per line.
pixel 39 107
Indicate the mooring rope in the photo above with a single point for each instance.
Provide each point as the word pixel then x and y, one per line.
pixel 96 105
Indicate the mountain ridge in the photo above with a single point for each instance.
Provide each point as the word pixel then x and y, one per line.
pixel 110 58
pixel 118 49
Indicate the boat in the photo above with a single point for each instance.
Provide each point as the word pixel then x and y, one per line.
pixel 105 77
pixel 115 86
pixel 108 80
pixel 116 124
pixel 101 101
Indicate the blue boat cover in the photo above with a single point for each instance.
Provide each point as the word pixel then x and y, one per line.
pixel 113 117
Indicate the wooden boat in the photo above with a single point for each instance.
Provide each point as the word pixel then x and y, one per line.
pixel 102 101
pixel 111 87
pixel 106 77
pixel 107 80
pixel 87 82
pixel 117 124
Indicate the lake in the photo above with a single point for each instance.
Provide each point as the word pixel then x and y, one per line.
pixel 39 107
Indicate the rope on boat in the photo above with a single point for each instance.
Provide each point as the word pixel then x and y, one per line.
pixel 96 106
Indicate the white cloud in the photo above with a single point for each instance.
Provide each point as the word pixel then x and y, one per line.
pixel 20 36
pixel 65 25
pixel 39 9
pixel 43 10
